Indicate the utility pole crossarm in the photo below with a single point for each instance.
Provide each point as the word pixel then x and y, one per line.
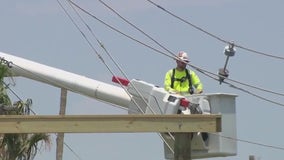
pixel 109 123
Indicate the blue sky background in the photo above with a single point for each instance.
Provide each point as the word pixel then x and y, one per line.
pixel 42 32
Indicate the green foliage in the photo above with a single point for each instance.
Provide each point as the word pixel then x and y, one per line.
pixel 17 146
pixel 4 98
pixel 3 71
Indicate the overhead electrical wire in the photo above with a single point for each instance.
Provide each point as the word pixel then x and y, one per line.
pixel 250 142
pixel 213 35
pixel 118 31
pixel 137 28
pixel 191 24
pixel 234 86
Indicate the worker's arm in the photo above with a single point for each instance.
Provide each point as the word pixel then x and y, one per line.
pixel 167 81
pixel 196 82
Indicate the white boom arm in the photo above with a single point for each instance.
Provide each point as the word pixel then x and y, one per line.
pixel 70 81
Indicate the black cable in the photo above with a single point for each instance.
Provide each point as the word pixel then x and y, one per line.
pixel 212 35
pixel 118 31
pixel 233 86
pixel 135 27
pixel 250 142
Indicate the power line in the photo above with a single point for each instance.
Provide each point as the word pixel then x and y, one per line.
pixel 118 31
pixel 191 24
pixel 235 87
pixel 250 142
pixel 213 35
pixel 140 30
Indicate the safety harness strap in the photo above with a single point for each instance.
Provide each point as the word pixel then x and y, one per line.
pixel 173 79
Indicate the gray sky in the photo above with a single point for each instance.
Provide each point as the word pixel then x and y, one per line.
pixel 42 32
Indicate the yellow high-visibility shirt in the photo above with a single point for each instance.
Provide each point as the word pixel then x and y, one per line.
pixel 182 87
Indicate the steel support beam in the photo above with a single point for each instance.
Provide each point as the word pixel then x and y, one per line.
pixel 109 123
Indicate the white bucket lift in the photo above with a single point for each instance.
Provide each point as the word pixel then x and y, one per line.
pixel 158 101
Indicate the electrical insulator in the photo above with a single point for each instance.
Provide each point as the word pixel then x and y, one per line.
pixel 229 51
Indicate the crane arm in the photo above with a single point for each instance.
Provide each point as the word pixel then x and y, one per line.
pixel 63 79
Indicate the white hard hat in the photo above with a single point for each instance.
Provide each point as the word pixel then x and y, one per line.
pixel 182 56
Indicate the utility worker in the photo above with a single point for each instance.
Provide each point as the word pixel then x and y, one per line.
pixel 182 80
